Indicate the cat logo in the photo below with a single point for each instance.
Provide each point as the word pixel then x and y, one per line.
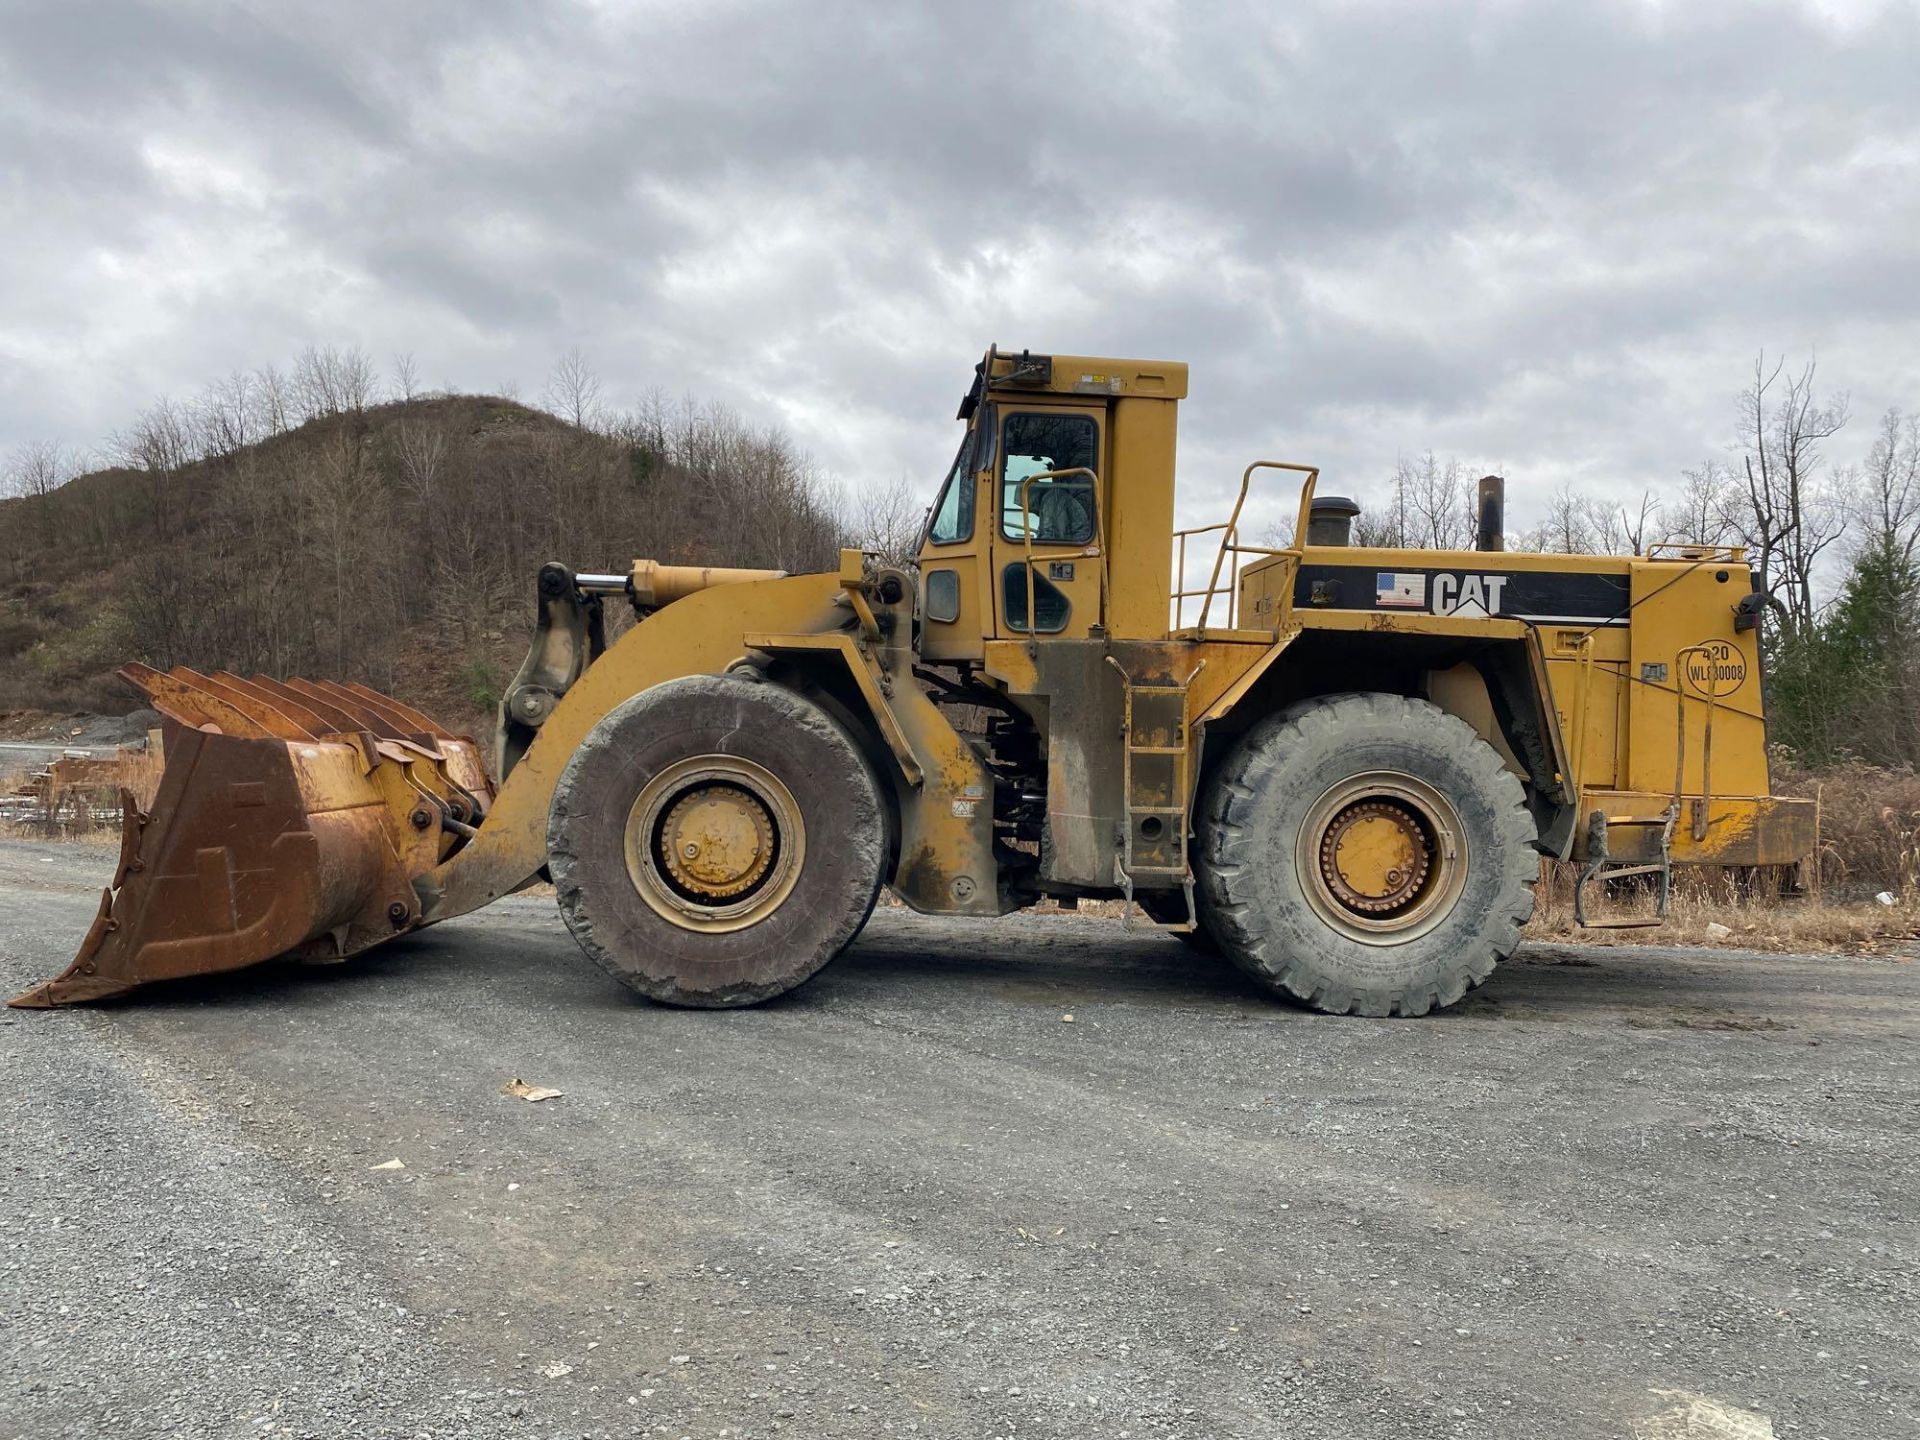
pixel 1468 594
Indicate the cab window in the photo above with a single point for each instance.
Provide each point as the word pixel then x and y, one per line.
pixel 1050 604
pixel 1058 511
pixel 952 519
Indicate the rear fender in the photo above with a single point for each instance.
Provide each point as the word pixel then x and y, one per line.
pixel 1515 672
pixel 1338 652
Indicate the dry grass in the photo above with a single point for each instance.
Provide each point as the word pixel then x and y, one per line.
pixel 1709 908
pixel 1869 846
pixel 1869 827
pixel 78 799
pixel 99 837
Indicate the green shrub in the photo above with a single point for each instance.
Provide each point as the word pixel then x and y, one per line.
pixel 483 686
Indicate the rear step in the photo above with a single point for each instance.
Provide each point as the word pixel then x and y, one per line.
pixel 1599 868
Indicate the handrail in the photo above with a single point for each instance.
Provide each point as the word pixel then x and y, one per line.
pixel 1026 538
pixel 1583 691
pixel 1712 693
pixel 1698 550
pixel 1230 542
pixel 1181 595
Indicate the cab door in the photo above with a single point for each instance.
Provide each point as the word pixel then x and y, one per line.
pixel 1055 522
pixel 955 608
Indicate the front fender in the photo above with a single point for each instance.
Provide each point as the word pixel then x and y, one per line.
pixel 701 634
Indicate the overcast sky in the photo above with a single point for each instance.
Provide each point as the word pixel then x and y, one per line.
pixel 1547 239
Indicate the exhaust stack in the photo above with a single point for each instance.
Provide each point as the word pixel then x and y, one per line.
pixel 1490 511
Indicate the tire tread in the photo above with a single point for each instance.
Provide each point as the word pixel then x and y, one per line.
pixel 1259 763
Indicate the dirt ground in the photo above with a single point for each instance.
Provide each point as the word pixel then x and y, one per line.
pixel 1031 1177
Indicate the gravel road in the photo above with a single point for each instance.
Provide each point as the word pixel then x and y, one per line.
pixel 1632 1193
pixel 33 752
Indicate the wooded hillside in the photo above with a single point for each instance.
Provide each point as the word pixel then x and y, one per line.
pixel 293 525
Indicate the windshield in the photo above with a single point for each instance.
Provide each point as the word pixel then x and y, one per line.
pixel 952 519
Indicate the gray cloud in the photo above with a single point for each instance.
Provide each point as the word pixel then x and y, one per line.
pixel 1548 237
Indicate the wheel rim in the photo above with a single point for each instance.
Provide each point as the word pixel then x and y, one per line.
pixel 714 843
pixel 1382 857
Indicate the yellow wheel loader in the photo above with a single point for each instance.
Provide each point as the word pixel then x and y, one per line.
pixel 1339 767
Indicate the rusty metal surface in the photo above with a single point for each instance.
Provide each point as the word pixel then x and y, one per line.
pixel 1738 829
pixel 291 819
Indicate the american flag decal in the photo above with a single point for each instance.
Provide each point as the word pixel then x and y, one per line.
pixel 1405 591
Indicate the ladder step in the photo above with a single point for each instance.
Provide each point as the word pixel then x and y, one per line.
pixel 1154 711
pixel 1597 868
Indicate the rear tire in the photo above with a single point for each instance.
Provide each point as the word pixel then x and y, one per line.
pixel 1366 853
pixel 715 841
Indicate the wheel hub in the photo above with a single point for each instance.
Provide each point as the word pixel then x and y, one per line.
pixel 1381 857
pixel 1374 856
pixel 716 841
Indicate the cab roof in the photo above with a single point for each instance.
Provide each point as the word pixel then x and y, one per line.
pixel 1028 373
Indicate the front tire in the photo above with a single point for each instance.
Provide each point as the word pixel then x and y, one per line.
pixel 715 841
pixel 1366 853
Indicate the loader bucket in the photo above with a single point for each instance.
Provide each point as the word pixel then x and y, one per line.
pixel 291 820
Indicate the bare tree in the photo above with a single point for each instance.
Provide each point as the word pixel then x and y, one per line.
pixel 158 445
pixel 1373 528
pixel 1787 512
pixel 39 468
pixel 1702 511
pixel 406 376
pixel 226 414
pixel 329 382
pixel 1565 529
pixel 273 401
pixel 421 449
pixel 1620 528
pixel 160 441
pixel 887 520
pixel 573 390
pixel 1889 497
pixel 1434 503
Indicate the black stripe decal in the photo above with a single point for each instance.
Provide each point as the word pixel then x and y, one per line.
pixel 1522 594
